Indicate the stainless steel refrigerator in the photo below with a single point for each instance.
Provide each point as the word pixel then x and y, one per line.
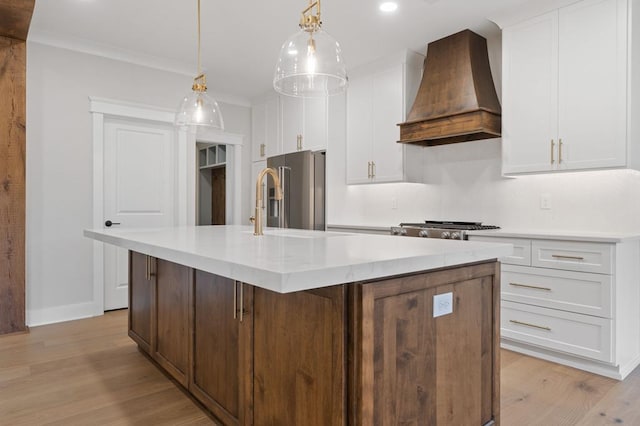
pixel 302 175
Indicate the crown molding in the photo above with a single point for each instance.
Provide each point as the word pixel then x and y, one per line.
pixel 528 10
pixel 129 56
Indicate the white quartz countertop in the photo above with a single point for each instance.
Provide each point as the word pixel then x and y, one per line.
pixel 289 260
pixel 591 236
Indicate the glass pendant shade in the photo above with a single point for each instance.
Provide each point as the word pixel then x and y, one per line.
pixel 310 65
pixel 199 109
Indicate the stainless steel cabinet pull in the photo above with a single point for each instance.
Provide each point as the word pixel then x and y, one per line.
pixel 299 142
pixel 560 151
pixel 552 147
pixel 147 274
pixel 373 169
pixel 262 146
pixel 562 256
pixel 235 299
pixel 530 286
pixel 541 327
pixel 369 169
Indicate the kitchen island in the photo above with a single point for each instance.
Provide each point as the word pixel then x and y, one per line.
pixel 319 328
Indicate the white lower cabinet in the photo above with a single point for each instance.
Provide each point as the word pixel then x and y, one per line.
pixel 572 333
pixel 572 302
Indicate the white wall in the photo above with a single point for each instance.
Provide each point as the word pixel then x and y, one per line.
pixel 59 165
pixel 464 182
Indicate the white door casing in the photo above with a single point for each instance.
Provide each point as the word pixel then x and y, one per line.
pixel 139 190
pixel 105 110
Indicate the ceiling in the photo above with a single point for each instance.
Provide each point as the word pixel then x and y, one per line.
pixel 241 39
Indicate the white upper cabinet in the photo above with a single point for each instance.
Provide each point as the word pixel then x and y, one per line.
pixel 265 128
pixel 565 89
pixel 283 124
pixel 304 123
pixel 378 98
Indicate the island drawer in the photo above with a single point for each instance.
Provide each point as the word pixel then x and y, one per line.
pixel 573 256
pixel 580 292
pixel 521 249
pixel 576 334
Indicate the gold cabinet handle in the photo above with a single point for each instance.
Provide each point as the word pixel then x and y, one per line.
pixel 541 327
pixel 562 256
pixel 262 149
pixel 560 151
pixel 149 272
pixel 530 286
pixel 552 147
pixel 241 301
pixel 235 299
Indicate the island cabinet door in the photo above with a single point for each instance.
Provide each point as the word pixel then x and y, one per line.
pixel 299 358
pixel 222 344
pixel 141 294
pixel 172 313
pixel 411 367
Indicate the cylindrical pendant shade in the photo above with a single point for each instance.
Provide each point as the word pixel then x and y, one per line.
pixel 310 65
pixel 199 109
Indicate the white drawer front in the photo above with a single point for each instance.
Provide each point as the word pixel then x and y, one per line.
pixel 571 291
pixel 576 334
pixel 521 249
pixel 573 256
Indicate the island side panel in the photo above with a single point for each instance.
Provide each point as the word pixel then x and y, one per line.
pixel 299 357
pixel 412 368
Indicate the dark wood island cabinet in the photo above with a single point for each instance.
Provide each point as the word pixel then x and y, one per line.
pixel 364 353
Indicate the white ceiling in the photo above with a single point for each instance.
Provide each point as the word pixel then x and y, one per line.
pixel 241 39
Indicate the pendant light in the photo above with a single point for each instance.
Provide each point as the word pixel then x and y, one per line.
pixel 310 62
pixel 198 108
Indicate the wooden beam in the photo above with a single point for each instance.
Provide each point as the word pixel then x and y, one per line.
pixel 15 17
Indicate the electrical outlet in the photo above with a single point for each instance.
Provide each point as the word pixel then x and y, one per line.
pixel 545 201
pixel 442 304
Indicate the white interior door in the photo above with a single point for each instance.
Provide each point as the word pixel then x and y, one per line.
pixel 139 191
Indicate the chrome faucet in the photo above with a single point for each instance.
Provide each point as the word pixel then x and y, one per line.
pixel 257 220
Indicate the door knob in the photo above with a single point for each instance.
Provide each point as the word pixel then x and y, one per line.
pixel 108 223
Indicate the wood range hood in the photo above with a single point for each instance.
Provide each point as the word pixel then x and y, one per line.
pixel 457 101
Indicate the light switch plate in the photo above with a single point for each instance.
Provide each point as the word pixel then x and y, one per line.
pixel 442 304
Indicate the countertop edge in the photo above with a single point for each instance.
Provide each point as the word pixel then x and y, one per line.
pixel 288 282
pixel 558 235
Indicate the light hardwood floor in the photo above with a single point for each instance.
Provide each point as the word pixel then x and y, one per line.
pixel 88 372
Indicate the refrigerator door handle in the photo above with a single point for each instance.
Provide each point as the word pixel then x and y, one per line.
pixel 283 174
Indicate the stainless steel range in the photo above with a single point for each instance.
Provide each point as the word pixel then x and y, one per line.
pixel 439 229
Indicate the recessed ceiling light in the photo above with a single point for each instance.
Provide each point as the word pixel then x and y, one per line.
pixel 388 6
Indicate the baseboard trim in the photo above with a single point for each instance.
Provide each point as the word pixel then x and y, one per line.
pixel 36 317
pixel 613 371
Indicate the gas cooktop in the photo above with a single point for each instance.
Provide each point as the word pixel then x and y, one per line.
pixel 441 224
pixel 439 229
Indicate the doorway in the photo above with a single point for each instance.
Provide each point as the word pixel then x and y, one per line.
pixel 212 184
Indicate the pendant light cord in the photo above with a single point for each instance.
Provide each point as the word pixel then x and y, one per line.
pixel 199 69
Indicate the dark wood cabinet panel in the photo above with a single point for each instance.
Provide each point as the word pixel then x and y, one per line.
pixel 172 318
pixel 141 294
pixel 299 362
pixel 413 368
pixel 368 353
pixel 222 351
